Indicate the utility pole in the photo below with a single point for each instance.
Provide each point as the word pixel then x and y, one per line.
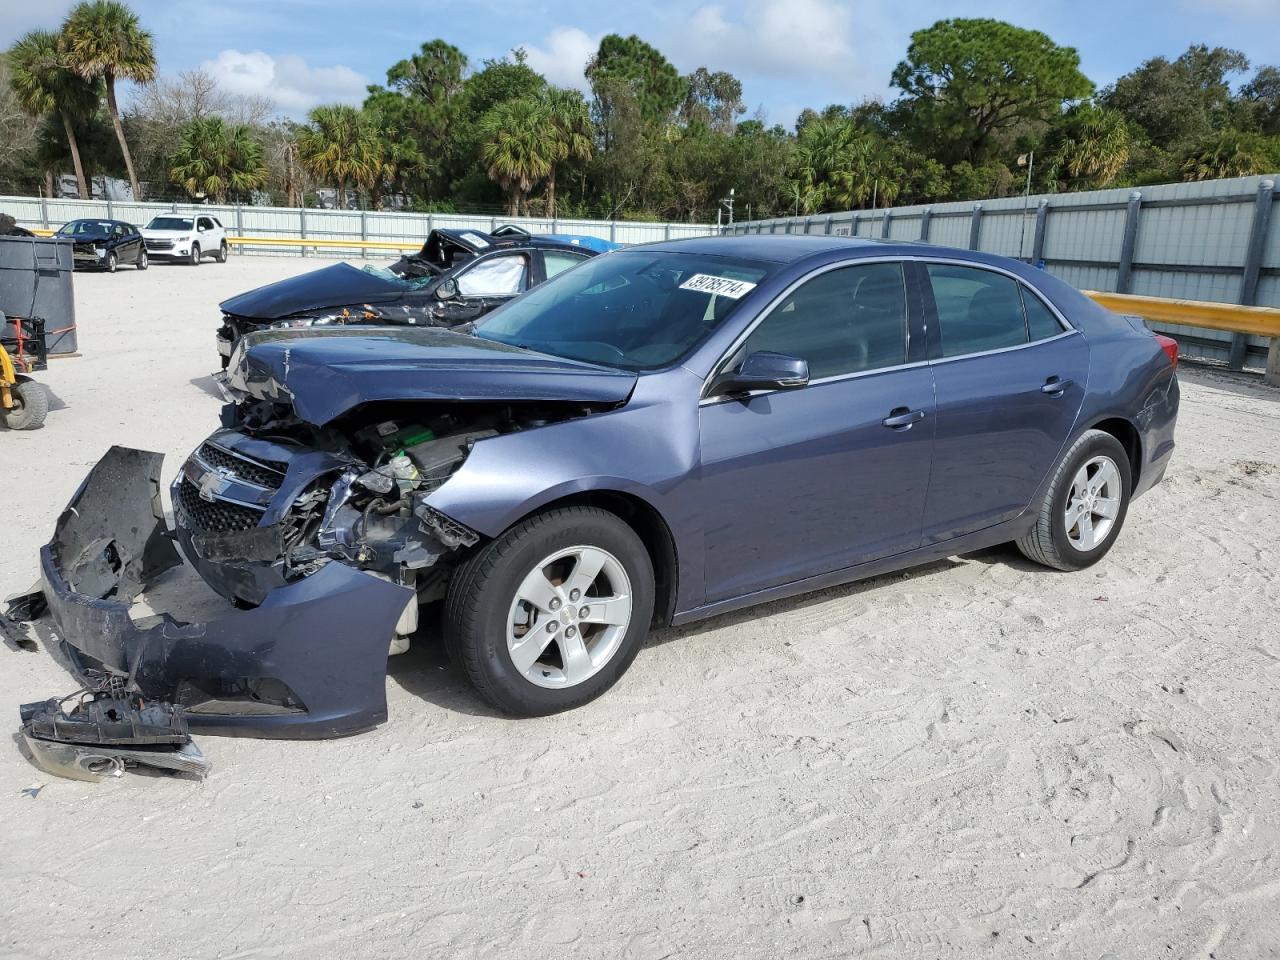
pixel 726 204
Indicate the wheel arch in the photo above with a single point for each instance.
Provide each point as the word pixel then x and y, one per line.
pixel 1129 437
pixel 648 523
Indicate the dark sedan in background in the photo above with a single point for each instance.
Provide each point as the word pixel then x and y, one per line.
pixel 664 434
pixel 104 244
pixel 457 276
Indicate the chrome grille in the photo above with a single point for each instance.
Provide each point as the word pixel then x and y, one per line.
pixel 264 473
pixel 217 516
pixel 159 244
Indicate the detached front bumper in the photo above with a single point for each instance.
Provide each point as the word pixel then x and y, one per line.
pixel 309 662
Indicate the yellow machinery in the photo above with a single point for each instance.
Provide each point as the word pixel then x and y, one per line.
pixel 23 402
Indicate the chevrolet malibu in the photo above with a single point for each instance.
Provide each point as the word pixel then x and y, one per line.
pixel 661 434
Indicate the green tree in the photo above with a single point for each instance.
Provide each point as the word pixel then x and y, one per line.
pixel 404 164
pixel 433 75
pixel 1174 102
pixel 712 99
pixel 967 81
pixel 215 158
pixel 103 40
pixel 571 133
pixel 627 67
pixel 517 148
pixel 338 145
pixel 1260 97
pixel 44 85
pixel 1231 153
pixel 1090 148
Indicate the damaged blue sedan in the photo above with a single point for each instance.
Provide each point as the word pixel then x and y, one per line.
pixel 658 435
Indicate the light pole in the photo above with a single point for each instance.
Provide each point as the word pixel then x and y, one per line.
pixel 1027 160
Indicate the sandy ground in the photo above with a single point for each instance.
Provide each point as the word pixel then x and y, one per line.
pixel 980 757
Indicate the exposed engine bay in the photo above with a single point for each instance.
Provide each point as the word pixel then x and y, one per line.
pixel 271 499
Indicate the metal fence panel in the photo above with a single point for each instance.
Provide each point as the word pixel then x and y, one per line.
pixel 313 223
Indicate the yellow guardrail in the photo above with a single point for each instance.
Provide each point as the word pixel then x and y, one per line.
pixel 313 242
pixel 1231 317
pixel 325 242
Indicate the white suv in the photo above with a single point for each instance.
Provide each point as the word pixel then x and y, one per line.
pixel 175 236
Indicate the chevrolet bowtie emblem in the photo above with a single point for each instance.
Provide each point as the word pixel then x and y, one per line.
pixel 213 483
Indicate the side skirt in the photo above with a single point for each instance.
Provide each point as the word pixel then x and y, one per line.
pixel 988 537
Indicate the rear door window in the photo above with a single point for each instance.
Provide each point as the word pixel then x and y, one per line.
pixel 557 261
pixel 1041 323
pixel 978 310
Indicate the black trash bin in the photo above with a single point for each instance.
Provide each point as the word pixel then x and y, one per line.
pixel 35 282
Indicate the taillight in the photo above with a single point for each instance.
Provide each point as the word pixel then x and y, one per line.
pixel 1170 348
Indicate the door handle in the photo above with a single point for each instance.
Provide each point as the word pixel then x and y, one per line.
pixel 901 418
pixel 1055 387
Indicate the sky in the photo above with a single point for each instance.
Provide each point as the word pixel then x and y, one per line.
pixel 789 54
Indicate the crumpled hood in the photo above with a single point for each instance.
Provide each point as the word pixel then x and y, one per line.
pixel 327 371
pixel 335 286
pixel 87 237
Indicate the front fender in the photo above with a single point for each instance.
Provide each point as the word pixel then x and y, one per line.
pixel 647 449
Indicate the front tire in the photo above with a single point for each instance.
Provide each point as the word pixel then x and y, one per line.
pixel 195 255
pixel 1085 507
pixel 550 615
pixel 112 262
pixel 30 406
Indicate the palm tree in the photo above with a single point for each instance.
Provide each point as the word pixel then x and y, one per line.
pixel 1096 146
pixel 518 148
pixel 340 145
pixel 215 157
pixel 571 133
pixel 102 39
pixel 43 84
pixel 1232 153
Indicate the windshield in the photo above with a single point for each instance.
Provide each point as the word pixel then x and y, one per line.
pixel 169 223
pixel 406 283
pixel 637 309
pixel 77 227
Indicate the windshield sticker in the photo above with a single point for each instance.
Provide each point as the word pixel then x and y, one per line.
pixel 474 238
pixel 718 286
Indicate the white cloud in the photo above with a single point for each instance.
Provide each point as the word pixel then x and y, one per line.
pixel 293 84
pixel 563 56
pixel 772 37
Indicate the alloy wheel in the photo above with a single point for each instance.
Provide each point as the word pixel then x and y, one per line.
pixel 1093 503
pixel 569 617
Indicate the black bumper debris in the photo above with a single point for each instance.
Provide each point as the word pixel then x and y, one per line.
pixel 308 662
pixel 102 734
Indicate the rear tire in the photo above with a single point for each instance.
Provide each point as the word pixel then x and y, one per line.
pixel 195 255
pixel 30 406
pixel 221 255
pixel 488 624
pixel 142 263
pixel 1085 506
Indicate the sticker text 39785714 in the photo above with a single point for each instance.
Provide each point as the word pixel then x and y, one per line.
pixel 720 286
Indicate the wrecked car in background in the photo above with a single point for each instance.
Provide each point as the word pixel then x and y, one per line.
pixel 664 434
pixel 458 276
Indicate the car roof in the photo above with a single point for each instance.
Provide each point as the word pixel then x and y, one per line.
pixel 791 248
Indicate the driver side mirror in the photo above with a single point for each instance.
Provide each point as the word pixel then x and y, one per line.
pixel 763 371
pixel 448 290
